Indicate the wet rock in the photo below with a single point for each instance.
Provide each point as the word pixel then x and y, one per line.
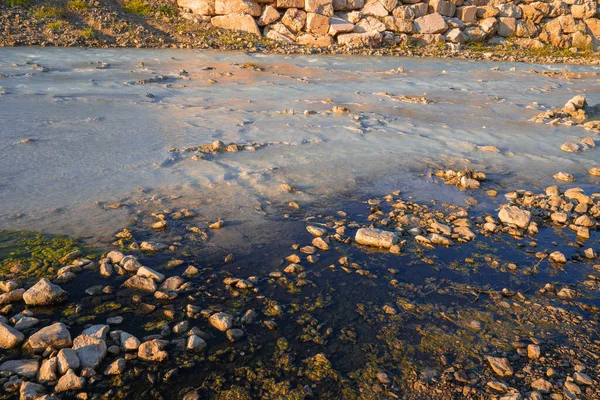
pixel 150 273
pixel 67 359
pixel 9 336
pixel 221 321
pixel 195 344
pixel 115 256
pixel 501 366
pixel 152 350
pixel 594 171
pixel 69 382
pixel 557 257
pixel 56 336
pixel 249 317
pixel 376 237
pixel 515 216
pixel 25 368
pixel 45 293
pixel 90 350
pixel 564 177
pixel 320 244
pixel 234 334
pixel 566 293
pixel 140 283
pixel 316 231
pixel 117 367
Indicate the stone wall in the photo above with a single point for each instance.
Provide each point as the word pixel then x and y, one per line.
pixel 561 23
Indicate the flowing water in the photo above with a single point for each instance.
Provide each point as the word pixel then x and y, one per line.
pixel 90 143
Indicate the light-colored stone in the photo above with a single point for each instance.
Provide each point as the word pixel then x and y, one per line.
pixel 90 351
pixel 67 359
pixel 200 7
pixel 69 382
pixel 152 350
pixel 338 25
pixel 323 7
pixel 48 370
pixel 236 22
pixel 376 237
pixel 140 283
pixel 268 16
pixel 117 367
pixel 25 368
pixel 347 5
pixel 317 24
pixel 431 24
pixel 515 216
pixel 225 7
pixel 195 344
pixel 56 336
pixel 45 293
pixel 294 19
pixel 9 336
pixel 501 366
pixel 31 391
pixel 221 321
pixel 507 26
pixel 315 40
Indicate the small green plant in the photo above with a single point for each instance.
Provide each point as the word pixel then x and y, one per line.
pixel 87 33
pixel 167 10
pixel 57 25
pixel 17 3
pixel 45 12
pixel 77 5
pixel 139 7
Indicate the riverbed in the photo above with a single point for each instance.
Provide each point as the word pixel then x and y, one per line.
pixel 97 143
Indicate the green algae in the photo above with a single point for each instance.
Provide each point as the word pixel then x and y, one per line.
pixel 33 255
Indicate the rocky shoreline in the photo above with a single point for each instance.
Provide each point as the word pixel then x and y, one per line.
pixel 161 25
pixel 91 345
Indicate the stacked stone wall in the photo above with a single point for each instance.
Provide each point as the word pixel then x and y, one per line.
pixel 535 24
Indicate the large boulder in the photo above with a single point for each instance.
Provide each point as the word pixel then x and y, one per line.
pixel 90 350
pixel 200 7
pixel 236 22
pixel 56 336
pixel 45 293
pixel 14 296
pixel 431 23
pixel 25 368
pixel 9 337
